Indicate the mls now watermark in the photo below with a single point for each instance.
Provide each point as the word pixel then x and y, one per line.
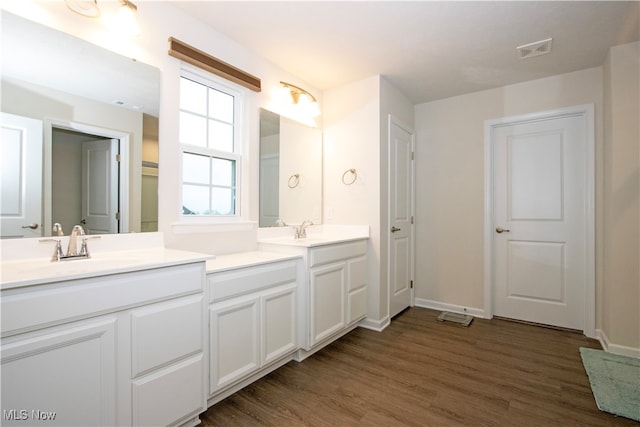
pixel 27 415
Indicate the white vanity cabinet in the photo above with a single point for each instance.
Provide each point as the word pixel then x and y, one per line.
pixel 252 323
pixel 116 349
pixel 332 296
pixel 63 375
pixel 337 289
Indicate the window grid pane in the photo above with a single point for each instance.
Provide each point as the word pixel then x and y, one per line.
pixel 207 120
pixel 208 185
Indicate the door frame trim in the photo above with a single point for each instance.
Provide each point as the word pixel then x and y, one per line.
pixel 587 112
pixel 393 120
pixel 124 170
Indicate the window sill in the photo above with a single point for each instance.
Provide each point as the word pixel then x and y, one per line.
pixel 205 225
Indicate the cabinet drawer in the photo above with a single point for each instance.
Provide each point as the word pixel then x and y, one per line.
pixel 332 253
pixel 166 331
pixel 169 395
pixel 52 304
pixel 232 283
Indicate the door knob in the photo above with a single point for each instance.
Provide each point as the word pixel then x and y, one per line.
pixel 32 226
pixel 502 230
pixel 394 229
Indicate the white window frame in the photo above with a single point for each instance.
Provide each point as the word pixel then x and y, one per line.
pixel 239 124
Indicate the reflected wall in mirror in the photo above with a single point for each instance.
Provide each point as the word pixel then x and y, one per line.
pixel 75 92
pixel 290 171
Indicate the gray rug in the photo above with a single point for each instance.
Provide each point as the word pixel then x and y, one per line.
pixel 615 382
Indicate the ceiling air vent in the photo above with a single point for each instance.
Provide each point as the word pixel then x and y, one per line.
pixel 535 49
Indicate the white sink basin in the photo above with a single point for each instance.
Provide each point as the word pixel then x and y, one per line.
pixel 38 271
pixel 76 266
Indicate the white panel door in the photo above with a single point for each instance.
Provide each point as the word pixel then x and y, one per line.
pixel 100 186
pixel 400 214
pixel 540 200
pixel 20 177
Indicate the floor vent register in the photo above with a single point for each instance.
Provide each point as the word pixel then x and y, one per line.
pixel 461 319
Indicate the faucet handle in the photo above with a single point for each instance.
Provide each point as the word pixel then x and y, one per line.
pixel 84 249
pixel 57 252
pixel 57 229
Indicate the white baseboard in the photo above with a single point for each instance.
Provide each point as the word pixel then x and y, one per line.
pixel 615 348
pixel 441 306
pixel 375 325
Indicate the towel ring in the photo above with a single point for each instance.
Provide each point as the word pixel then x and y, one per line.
pixel 345 181
pixel 294 180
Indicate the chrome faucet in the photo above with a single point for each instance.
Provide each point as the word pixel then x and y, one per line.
pixel 301 231
pixel 72 249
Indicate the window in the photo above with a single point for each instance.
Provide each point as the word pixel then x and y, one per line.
pixel 209 138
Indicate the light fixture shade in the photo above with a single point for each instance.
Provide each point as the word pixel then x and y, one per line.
pixel 84 7
pixel 302 101
pixel 127 20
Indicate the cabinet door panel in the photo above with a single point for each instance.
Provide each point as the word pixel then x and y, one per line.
pixel 279 323
pixel 169 395
pixel 327 301
pixel 69 371
pixel 357 273
pixel 165 332
pixel 356 305
pixel 234 342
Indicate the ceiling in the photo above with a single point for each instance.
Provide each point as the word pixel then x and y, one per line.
pixel 428 49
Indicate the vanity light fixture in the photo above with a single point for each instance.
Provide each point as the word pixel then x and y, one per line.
pixel 302 99
pixel 87 8
pixel 127 19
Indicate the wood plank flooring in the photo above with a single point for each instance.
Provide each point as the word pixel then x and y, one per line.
pixel 421 372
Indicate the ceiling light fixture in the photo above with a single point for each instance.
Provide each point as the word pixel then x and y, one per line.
pixel 302 99
pixel 87 8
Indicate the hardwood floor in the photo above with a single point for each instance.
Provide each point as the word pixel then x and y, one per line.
pixel 421 372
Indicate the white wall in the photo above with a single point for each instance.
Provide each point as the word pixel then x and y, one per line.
pixel 356 137
pixel 620 321
pixel 450 199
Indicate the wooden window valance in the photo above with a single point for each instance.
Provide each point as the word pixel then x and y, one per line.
pixel 196 57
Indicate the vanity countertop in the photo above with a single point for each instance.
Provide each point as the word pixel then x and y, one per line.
pixel 317 235
pixel 245 259
pixel 28 272
pixel 27 262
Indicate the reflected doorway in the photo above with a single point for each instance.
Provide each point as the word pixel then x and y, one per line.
pixel 85 175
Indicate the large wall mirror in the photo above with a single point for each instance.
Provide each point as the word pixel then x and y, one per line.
pixel 93 117
pixel 290 171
